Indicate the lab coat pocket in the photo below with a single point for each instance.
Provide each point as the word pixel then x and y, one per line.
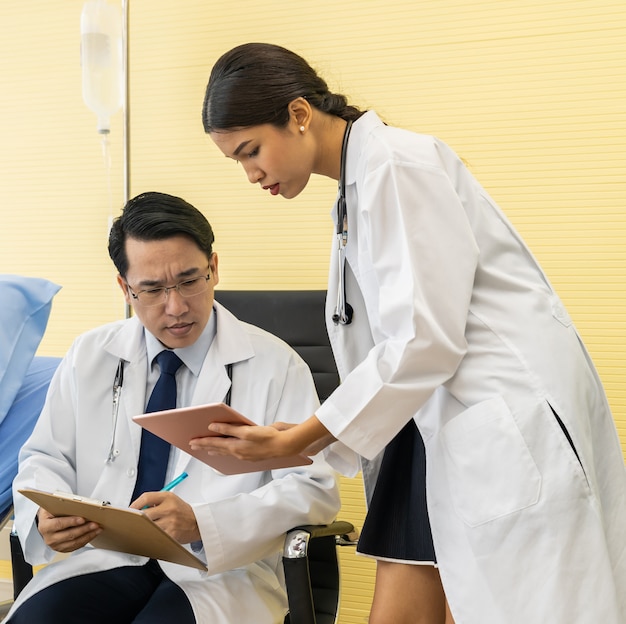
pixel 491 471
pixel 560 313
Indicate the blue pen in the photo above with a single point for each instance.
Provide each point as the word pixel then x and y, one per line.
pixel 171 485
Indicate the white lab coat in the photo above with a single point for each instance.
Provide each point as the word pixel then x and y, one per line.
pixel 457 327
pixel 242 518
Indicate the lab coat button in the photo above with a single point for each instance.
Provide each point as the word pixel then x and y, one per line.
pixel 131 472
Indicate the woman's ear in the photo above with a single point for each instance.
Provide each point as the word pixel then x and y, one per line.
pixel 300 113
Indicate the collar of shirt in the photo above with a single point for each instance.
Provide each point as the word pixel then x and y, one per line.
pixel 192 356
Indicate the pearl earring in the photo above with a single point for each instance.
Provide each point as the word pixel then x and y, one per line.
pixel 302 128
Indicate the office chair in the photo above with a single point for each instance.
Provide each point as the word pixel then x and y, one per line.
pixel 310 553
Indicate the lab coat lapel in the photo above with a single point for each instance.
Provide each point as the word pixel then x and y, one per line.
pixel 129 345
pixel 231 345
pixel 213 381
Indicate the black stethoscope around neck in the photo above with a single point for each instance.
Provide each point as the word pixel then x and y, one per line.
pixel 343 310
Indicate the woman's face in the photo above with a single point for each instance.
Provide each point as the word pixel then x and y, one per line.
pixel 280 160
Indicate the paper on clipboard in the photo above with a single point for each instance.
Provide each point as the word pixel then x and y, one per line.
pixel 178 426
pixel 125 529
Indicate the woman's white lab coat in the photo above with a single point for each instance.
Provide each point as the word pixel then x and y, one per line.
pixel 242 518
pixel 457 327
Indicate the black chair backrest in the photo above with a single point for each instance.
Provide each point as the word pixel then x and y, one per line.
pixel 296 316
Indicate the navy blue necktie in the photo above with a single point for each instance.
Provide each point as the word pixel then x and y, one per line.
pixel 154 453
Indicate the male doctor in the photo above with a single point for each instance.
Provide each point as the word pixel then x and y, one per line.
pixel 87 444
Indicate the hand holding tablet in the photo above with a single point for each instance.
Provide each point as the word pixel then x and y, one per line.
pixel 179 426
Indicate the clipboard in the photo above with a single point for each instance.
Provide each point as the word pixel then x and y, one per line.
pixel 125 530
pixel 178 426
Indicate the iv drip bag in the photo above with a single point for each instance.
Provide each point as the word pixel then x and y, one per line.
pixel 101 59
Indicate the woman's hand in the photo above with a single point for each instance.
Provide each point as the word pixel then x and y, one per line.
pixel 254 443
pixel 247 442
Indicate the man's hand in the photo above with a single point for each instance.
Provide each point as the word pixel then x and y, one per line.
pixel 66 534
pixel 171 513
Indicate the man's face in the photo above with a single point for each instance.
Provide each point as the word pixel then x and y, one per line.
pixel 175 320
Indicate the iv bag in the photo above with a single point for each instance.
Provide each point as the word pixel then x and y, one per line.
pixel 101 59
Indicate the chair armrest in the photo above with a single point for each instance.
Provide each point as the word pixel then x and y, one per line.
pixel 297 540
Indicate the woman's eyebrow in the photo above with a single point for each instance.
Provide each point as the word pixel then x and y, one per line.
pixel 240 147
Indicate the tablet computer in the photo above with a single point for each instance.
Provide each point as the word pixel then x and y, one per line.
pixel 178 426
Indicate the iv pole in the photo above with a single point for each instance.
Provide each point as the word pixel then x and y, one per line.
pixel 126 101
pixel 126 116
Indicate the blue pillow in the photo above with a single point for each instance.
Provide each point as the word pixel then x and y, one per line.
pixel 25 304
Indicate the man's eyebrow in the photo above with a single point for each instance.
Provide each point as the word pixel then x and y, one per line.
pixel 193 272
pixel 240 147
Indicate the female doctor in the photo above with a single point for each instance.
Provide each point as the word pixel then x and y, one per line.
pixel 494 477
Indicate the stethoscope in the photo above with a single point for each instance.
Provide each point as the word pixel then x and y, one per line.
pixel 343 310
pixel 118 382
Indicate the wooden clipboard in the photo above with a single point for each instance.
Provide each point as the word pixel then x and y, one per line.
pixel 125 529
pixel 178 426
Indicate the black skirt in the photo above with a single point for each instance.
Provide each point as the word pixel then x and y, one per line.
pixel 397 526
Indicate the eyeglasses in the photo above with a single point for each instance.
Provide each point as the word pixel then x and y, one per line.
pixel 158 294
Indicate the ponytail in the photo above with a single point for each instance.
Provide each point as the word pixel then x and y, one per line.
pixel 254 83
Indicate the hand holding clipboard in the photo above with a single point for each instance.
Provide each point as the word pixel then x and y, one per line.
pixel 123 529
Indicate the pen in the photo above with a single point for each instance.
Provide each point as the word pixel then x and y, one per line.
pixel 171 485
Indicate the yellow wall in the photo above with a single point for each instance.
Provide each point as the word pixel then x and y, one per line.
pixel 531 94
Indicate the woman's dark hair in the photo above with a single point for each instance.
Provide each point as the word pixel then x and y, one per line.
pixel 157 216
pixel 254 83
